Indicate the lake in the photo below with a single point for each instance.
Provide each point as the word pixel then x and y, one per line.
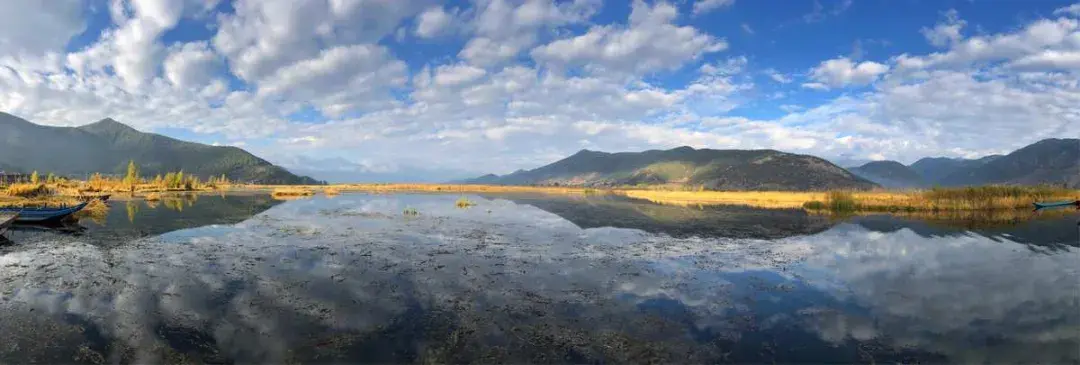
pixel 532 278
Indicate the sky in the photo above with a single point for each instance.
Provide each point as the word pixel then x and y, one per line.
pixel 428 90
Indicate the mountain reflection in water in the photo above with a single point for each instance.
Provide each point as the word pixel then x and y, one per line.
pixel 352 280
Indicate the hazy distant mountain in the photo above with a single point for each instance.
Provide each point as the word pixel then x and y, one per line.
pixel 107 146
pixel 1050 161
pixel 890 174
pixel 934 169
pixel 340 170
pixel 713 169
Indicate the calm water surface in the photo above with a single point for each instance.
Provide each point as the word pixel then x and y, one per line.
pixel 247 279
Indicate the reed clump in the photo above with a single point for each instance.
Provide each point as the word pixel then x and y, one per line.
pixel 464 202
pixel 331 191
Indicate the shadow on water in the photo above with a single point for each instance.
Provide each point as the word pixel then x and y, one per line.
pixel 524 279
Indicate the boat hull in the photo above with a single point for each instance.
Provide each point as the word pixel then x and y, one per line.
pixel 42 215
pixel 6 219
pixel 1057 204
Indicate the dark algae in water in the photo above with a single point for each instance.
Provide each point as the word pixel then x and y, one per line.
pixel 529 279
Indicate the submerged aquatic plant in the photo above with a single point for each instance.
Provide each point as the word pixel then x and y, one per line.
pixel 410 212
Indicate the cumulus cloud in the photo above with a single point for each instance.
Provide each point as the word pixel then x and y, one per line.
pixel 650 41
pixel 30 27
pixel 1073 10
pixel 525 82
pixel 840 72
pixel 192 65
pixel 433 22
pixel 946 33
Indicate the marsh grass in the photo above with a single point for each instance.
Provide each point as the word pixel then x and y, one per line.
pixel 464 202
pixel 286 192
pixel 29 190
pixel 330 191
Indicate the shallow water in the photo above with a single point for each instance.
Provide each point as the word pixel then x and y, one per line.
pixel 533 279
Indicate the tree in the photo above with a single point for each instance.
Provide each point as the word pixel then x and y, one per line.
pixel 179 179
pixel 34 177
pixel 51 178
pixel 132 178
pixel 169 179
pixel 158 180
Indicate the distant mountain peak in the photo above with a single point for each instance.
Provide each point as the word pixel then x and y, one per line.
pixel 107 124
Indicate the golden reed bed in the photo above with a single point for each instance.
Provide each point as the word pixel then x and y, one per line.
pixel 930 200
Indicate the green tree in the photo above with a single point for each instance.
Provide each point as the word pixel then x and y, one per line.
pixel 34 177
pixel 170 178
pixel 179 179
pixel 132 176
pixel 51 178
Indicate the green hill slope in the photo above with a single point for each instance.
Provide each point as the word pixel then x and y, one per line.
pixel 107 146
pixel 890 174
pixel 685 166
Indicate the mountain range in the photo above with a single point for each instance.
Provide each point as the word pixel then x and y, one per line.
pixel 1050 161
pixel 107 145
pixel 686 166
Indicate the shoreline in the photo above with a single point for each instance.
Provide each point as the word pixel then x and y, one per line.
pixel 973 199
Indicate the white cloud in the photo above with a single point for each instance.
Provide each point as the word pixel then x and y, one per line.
pixel 705 6
pixel 433 22
pixel 1049 60
pixel 746 28
pixel 265 35
pixel 842 71
pixel 1073 10
pixel 450 75
pixel 649 42
pixel 342 79
pixel 599 86
pixel 1036 37
pixel 30 27
pixel 502 31
pixel 192 65
pixel 778 77
pixel 947 33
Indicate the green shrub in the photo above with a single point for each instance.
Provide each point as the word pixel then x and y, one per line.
pixel 841 201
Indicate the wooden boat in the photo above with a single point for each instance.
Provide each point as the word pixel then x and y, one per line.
pixel 6 219
pixel 41 215
pixel 1057 204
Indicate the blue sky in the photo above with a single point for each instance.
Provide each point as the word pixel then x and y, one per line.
pixel 431 90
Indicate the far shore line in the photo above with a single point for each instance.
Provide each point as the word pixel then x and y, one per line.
pixel 978 198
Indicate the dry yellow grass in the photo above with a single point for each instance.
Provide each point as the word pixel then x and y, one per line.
pixel 975 198
pixel 330 191
pixel 28 190
pixel 292 191
pixel 45 201
pixel 761 199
